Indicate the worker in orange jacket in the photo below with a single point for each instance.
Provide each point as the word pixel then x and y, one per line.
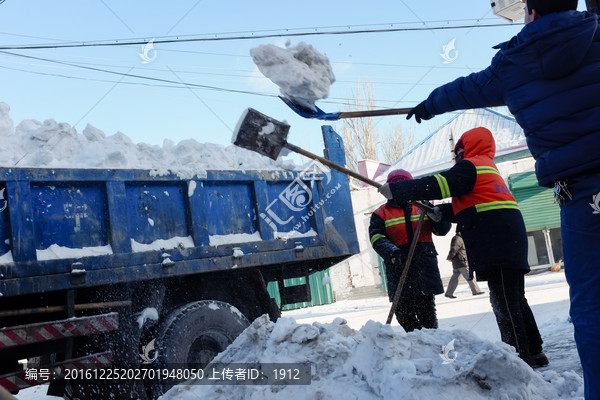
pixel 493 230
pixel 391 231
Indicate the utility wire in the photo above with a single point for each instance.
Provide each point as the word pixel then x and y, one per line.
pixel 177 39
pixel 330 100
pixel 244 74
pixel 244 56
pixel 135 75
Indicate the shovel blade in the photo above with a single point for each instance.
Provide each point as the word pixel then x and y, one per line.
pixel 260 133
pixel 305 112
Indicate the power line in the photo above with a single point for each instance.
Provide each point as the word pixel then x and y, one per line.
pixel 330 100
pixel 246 73
pixel 390 65
pixel 136 76
pixel 177 39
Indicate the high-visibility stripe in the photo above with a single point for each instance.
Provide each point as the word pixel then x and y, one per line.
pixel 444 188
pixel 484 169
pixel 416 217
pixel 376 237
pixel 394 221
pixel 496 205
pixel 402 220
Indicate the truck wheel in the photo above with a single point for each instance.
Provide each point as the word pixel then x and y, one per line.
pixel 192 335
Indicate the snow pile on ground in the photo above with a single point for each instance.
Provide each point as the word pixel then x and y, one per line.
pixel 57 145
pixel 301 72
pixel 383 362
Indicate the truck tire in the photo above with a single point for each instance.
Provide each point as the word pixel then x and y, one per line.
pixel 192 335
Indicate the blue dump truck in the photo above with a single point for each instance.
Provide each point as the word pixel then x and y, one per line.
pixel 113 269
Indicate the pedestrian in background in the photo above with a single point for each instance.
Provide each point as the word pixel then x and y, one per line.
pixel 458 256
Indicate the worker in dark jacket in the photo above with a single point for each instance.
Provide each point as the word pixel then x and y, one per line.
pixel 391 231
pixel 493 230
pixel 548 77
pixel 460 266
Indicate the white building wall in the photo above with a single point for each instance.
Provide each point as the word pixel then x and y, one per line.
pixel 360 270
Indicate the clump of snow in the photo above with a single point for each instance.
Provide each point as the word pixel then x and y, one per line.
pixel 301 72
pixel 163 244
pixel 267 129
pixel 381 362
pixel 6 258
pixel 149 313
pixel 56 252
pixel 191 188
pixel 57 145
pixel 6 123
pixel 294 234
pixel 218 240
pixel 237 252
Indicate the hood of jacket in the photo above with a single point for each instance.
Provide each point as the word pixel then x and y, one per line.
pixel 554 45
pixel 479 142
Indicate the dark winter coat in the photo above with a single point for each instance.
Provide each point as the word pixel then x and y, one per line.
pixel 494 238
pixel 423 273
pixel 548 76
pixel 458 253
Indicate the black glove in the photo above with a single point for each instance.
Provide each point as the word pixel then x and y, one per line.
pixel 435 215
pixel 420 112
pixel 396 258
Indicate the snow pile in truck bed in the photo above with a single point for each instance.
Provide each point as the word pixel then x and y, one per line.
pixel 383 362
pixel 58 145
pixel 301 72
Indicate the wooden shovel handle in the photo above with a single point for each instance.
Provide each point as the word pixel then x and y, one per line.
pixel 407 263
pixel 374 113
pixel 333 165
pixel 322 160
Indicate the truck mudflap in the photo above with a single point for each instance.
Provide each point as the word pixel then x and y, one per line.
pixel 45 331
pixel 44 374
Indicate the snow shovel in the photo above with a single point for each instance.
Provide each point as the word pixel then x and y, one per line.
pixel 409 258
pixel 267 136
pixel 320 114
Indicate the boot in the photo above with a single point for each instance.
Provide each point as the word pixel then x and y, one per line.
pixel 539 360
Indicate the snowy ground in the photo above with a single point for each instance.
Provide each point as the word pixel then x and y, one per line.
pixel 364 359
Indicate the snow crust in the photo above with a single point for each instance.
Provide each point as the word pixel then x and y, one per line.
pixel 163 244
pixel 57 145
pixel 56 252
pixel 219 240
pixel 294 234
pixel 301 72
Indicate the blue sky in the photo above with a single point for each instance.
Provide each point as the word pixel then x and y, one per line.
pixel 402 66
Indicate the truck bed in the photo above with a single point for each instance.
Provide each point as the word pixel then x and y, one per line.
pixel 66 229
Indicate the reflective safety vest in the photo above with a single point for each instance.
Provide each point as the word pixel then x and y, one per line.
pixel 490 191
pixel 395 225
